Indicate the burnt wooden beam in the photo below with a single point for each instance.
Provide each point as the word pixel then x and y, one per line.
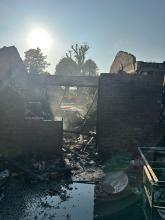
pixel 55 80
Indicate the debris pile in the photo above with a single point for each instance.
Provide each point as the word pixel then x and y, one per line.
pixel 4 174
pixel 80 155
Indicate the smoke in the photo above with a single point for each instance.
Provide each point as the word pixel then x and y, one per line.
pixel 55 95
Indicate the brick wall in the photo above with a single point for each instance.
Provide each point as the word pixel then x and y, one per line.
pixel 128 112
pixel 33 136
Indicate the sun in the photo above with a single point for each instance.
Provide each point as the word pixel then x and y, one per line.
pixel 39 38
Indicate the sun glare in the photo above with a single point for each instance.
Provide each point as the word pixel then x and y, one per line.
pixel 39 38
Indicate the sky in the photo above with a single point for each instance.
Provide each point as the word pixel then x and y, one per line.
pixel 107 26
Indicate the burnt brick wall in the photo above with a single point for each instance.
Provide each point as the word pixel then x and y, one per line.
pixel 128 112
pixel 33 136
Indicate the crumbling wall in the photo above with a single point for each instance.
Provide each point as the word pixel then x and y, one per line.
pixel 126 62
pixel 41 137
pixel 11 108
pixel 123 62
pixel 12 69
pixel 18 135
pixel 128 112
pixel 149 67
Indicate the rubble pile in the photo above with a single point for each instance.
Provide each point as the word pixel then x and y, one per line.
pixel 80 155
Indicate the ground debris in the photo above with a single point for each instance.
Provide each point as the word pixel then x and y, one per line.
pixel 80 155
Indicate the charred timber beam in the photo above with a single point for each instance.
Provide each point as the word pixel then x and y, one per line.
pixel 86 181
pixel 90 134
pixel 54 80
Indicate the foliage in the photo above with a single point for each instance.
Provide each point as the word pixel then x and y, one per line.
pixel 67 66
pixel 35 62
pixel 75 64
pixel 90 68
pixel 78 54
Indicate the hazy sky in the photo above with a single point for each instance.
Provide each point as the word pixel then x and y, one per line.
pixel 136 26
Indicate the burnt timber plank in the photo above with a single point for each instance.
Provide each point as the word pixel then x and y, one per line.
pixel 54 80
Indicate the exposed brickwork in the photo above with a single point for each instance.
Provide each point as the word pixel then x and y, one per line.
pixel 12 69
pixel 128 111
pixel 33 136
pixel 12 108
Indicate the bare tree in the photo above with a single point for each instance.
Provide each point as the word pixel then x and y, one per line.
pixel 78 54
